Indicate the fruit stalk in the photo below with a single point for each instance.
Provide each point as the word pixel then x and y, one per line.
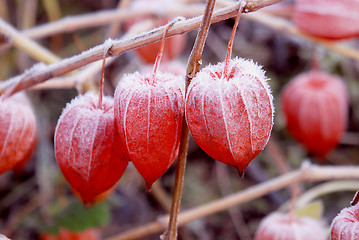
pixel 192 69
pixel 160 52
pixel 230 43
pixel 101 82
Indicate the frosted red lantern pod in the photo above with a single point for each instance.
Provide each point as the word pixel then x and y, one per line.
pixel 346 224
pixel 315 106
pixel 281 226
pixel 229 109
pixel 330 19
pixel 149 110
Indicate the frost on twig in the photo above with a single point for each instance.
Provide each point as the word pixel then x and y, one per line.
pixel 40 74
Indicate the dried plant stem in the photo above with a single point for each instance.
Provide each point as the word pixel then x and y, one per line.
pixel 28 13
pixel 235 213
pixel 27 45
pixel 161 196
pixel 4 12
pixel 326 188
pixel 73 23
pixel 99 18
pixel 307 173
pixel 231 39
pixel 192 69
pixel 41 73
pixel 100 95
pixel 280 162
pixel 115 27
pixel 283 25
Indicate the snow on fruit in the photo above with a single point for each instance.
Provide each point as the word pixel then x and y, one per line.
pixel 280 226
pixel 87 146
pixel 149 110
pixel 315 105
pixel 149 118
pixel 229 110
pixel 345 226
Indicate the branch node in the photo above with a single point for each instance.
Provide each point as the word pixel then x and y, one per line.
pixel 107 45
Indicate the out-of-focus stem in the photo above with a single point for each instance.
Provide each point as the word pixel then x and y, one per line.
pixel 307 173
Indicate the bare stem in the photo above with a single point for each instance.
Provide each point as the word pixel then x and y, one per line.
pixel 99 18
pixel 280 162
pixel 40 73
pixel 307 173
pixel 192 69
pixel 27 45
pixel 283 25
pixel 101 82
pixel 160 52
pixel 230 43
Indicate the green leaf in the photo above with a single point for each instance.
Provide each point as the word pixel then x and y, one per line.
pixel 314 210
pixel 77 217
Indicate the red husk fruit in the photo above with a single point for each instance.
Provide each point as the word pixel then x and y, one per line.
pixel 18 132
pixel 149 110
pixel 315 105
pixel 345 226
pixel 279 226
pixel 88 149
pixel 231 117
pixel 229 109
pixel 330 19
pixel 149 118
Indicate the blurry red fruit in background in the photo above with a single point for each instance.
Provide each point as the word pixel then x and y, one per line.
pixel 315 105
pixel 330 19
pixel 279 226
pixel 18 132
pixel 174 46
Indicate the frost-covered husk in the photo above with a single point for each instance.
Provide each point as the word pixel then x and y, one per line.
pixel 139 81
pixel 149 118
pixel 346 224
pixel 87 146
pixel 244 66
pixel 230 117
pixel 315 105
pixel 279 226
pixel 18 131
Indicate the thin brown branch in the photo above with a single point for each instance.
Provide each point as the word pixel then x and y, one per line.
pixel 307 173
pixel 225 187
pixel 26 44
pixel 283 25
pixel 72 23
pixel 192 69
pixel 254 5
pixel 41 73
pixel 116 26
